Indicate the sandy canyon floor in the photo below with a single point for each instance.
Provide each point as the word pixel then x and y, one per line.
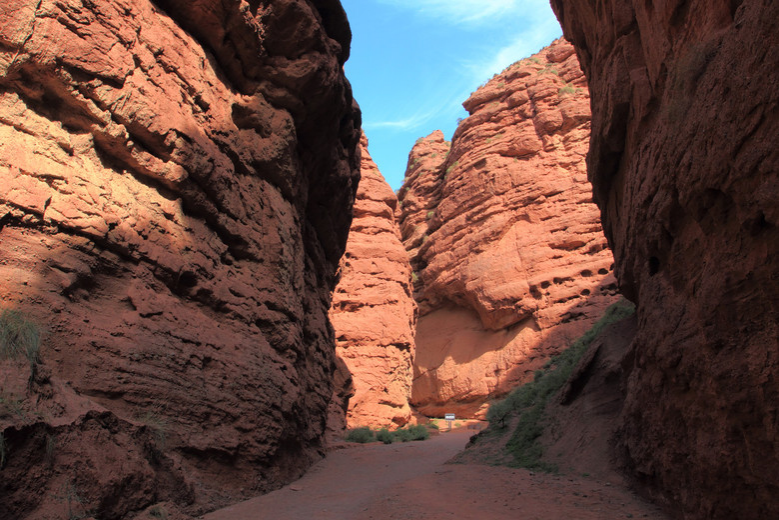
pixel 413 480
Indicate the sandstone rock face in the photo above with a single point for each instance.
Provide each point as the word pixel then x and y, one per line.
pixel 509 257
pixel 374 313
pixel 684 164
pixel 176 181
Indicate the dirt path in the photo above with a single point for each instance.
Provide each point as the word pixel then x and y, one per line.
pixel 410 480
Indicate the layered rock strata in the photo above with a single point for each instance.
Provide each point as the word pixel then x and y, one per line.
pixel 684 164
pixel 373 312
pixel 509 257
pixel 176 180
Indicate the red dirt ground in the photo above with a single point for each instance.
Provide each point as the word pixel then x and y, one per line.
pixel 412 480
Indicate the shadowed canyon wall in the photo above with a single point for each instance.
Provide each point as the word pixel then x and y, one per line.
pixel 684 164
pixel 373 312
pixel 176 180
pixel 510 262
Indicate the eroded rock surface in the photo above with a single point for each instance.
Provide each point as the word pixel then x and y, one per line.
pixel 373 311
pixel 509 257
pixel 176 181
pixel 684 164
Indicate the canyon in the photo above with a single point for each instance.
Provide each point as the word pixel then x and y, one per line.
pixel 221 281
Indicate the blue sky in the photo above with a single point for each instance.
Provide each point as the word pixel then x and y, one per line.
pixel 414 62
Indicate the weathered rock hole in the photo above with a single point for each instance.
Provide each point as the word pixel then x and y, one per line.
pixel 654 265
pixel 587 274
pixel 188 279
pixel 603 271
pixel 755 225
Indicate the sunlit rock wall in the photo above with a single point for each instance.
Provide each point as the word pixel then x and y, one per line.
pixel 510 261
pixel 176 182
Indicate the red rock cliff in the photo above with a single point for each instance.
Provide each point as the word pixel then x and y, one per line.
pixel 176 181
pixel 509 257
pixel 373 312
pixel 684 164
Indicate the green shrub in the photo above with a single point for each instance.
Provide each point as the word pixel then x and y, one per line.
pixel 19 337
pixel 158 425
pixel 529 401
pixel 385 436
pixel 69 494
pixel 419 432
pixel 11 405
pixel 402 435
pixel 51 444
pixel 566 90
pixel 3 450
pixel 430 214
pixel 361 435
pixel 364 434
pixel 452 167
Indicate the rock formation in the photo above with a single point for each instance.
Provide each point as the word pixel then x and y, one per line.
pixel 373 311
pixel 176 181
pixel 684 164
pixel 508 254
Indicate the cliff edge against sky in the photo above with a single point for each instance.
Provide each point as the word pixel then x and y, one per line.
pixel 509 258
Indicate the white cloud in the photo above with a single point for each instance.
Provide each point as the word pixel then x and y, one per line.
pixel 408 123
pixel 462 11
pixel 520 27
pixel 446 104
pixel 524 44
